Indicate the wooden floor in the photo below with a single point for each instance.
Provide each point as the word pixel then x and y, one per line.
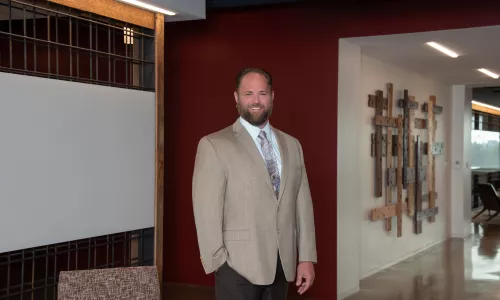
pixel 454 270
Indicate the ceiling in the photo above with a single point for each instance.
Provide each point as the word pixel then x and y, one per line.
pixel 488 95
pixel 477 48
pixel 214 4
pixel 184 7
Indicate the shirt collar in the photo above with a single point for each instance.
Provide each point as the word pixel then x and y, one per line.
pixel 254 130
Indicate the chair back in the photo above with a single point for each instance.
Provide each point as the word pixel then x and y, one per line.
pixel 488 196
pixel 110 284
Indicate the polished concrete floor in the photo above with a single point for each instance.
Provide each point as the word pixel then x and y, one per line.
pixel 456 269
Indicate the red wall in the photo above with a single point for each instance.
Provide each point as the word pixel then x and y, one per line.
pixel 299 47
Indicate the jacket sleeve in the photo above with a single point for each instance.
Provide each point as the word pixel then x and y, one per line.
pixel 306 236
pixel 208 192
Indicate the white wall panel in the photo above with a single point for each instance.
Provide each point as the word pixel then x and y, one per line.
pixel 349 170
pixel 76 161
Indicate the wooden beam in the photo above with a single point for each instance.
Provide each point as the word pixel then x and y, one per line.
pixel 372 102
pixel 420 123
pixel 386 212
pixel 411 159
pixel 378 144
pixel 399 203
pixel 385 121
pixel 389 158
pixel 486 110
pixel 114 10
pixel 431 170
pixel 405 104
pixel 418 186
pixel 160 139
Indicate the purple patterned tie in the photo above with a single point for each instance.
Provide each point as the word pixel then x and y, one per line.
pixel 272 166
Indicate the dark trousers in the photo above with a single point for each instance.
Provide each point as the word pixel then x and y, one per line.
pixel 229 285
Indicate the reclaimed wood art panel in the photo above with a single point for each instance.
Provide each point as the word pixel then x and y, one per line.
pixel 403 140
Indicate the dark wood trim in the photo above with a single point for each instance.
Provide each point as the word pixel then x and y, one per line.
pixel 113 9
pixel 159 88
pixel 484 109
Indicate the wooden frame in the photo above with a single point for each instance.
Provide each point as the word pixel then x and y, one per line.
pixel 160 139
pixel 484 109
pixel 115 10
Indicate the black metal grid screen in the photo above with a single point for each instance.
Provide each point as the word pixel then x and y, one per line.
pixel 33 273
pixel 485 121
pixel 42 38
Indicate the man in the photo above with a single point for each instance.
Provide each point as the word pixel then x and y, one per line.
pixel 252 204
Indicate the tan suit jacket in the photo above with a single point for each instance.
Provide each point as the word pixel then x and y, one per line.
pixel 238 218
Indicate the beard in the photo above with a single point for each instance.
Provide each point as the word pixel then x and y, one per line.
pixel 256 119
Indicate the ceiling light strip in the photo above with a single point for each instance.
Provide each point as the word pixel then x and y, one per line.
pixel 148 7
pixel 443 49
pixel 488 72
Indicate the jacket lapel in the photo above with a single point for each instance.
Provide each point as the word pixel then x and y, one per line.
pixel 284 161
pixel 246 140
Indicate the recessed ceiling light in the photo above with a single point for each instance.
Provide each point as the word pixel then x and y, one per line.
pixel 442 49
pixel 149 7
pixel 488 72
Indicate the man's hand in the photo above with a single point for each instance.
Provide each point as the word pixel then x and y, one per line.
pixel 305 276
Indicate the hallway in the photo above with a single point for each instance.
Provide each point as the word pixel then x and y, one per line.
pixel 455 269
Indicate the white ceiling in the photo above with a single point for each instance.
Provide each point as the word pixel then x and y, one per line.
pixel 477 48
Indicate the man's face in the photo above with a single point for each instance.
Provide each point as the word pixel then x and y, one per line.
pixel 254 99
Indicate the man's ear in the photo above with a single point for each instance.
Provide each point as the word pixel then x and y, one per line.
pixel 236 97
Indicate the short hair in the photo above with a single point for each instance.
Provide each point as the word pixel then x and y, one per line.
pixel 260 71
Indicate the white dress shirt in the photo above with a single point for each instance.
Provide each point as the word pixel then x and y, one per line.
pixel 254 133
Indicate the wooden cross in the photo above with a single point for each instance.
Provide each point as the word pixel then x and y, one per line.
pixel 410 172
pixel 389 210
pixel 431 148
pixel 409 106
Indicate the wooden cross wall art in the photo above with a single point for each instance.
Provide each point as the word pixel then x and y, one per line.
pixel 408 148
pixel 390 146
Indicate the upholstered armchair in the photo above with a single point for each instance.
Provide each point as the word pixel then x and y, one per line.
pixel 139 283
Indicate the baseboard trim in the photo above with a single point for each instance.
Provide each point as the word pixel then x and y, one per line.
pixel 405 257
pixel 348 293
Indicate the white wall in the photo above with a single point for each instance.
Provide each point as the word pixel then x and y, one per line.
pixel 348 169
pixel 461 152
pixel 76 161
pixel 379 248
